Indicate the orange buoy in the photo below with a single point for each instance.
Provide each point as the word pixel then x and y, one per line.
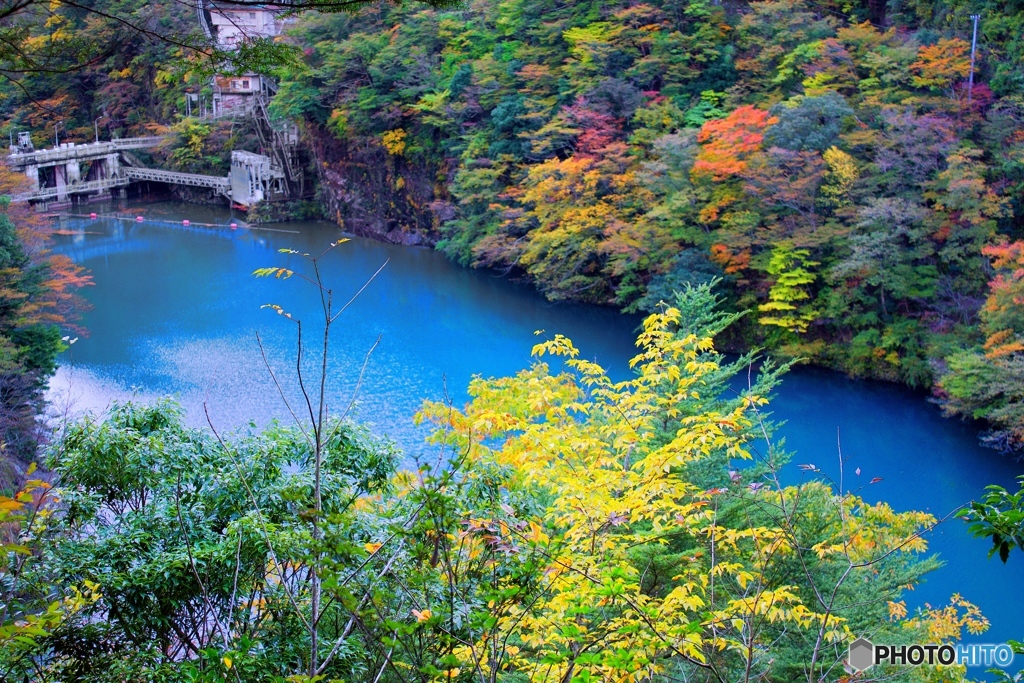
pixel 185 223
pixel 234 226
pixel 138 219
pixel 92 216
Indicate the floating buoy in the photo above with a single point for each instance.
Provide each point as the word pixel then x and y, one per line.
pixel 92 216
pixel 234 226
pixel 138 219
pixel 185 223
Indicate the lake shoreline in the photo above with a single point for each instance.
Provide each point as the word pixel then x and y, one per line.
pixel 175 312
pixel 424 241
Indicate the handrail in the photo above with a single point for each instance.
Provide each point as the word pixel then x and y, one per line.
pixel 201 13
pixel 194 179
pixel 79 187
pixel 128 174
pixel 92 149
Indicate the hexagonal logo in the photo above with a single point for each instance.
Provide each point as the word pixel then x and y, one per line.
pixel 861 654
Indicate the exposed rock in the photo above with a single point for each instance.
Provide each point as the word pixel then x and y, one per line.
pixel 374 194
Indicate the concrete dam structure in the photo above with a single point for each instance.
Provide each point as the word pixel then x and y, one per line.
pixel 73 173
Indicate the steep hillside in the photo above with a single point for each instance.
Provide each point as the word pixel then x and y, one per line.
pixel 838 175
pixel 101 68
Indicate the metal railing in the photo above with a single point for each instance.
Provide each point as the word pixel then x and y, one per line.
pixel 136 143
pixel 222 184
pixel 128 175
pixel 92 149
pixel 80 187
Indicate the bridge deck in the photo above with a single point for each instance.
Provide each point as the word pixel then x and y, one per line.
pixel 45 157
pixel 262 174
pixel 219 183
pixel 128 175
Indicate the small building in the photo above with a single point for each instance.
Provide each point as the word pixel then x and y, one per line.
pixel 234 94
pixel 233 24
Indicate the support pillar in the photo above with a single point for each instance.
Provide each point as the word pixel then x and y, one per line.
pixel 32 171
pixel 74 171
pixel 60 179
pixel 112 165
pixel 72 175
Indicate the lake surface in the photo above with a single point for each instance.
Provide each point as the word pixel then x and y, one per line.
pixel 176 312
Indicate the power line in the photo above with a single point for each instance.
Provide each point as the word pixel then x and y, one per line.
pixel 974 45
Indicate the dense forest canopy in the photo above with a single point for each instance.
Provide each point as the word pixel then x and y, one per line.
pixel 826 160
pixel 127 65
pixel 816 177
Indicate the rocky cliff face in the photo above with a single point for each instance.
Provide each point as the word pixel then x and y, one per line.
pixel 372 193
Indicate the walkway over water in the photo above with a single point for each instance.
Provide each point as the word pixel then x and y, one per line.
pixel 49 194
pixel 222 185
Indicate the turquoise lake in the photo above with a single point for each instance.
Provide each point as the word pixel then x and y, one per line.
pixel 175 311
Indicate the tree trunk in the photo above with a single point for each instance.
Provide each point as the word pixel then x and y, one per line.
pixel 876 12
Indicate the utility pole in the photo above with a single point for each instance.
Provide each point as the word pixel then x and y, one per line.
pixel 56 140
pixel 974 46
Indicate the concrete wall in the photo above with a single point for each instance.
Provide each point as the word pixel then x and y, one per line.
pixel 234 24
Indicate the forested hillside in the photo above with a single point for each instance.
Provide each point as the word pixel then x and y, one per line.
pixel 815 178
pixel 115 68
pixel 828 164
pixel 38 301
pixel 88 68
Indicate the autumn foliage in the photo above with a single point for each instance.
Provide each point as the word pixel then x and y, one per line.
pixel 728 143
pixel 1003 311
pixel 38 299
pixel 613 154
pixel 627 472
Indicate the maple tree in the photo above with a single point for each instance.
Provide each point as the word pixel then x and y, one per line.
pixel 1002 311
pixel 729 142
pixel 985 382
pixel 940 65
